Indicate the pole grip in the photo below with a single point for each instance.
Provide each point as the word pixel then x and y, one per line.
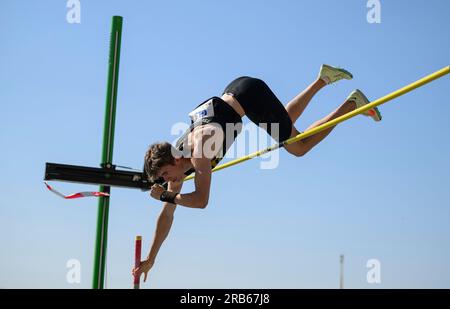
pixel 137 258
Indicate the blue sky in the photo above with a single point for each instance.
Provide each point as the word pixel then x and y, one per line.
pixel 369 191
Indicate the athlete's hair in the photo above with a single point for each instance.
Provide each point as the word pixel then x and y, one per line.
pixel 157 156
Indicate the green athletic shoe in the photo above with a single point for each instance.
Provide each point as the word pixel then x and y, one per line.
pixel 331 74
pixel 361 100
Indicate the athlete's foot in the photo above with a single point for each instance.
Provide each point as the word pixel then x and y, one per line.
pixel 330 74
pixel 360 100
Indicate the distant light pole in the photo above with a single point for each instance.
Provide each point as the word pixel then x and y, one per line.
pixel 341 281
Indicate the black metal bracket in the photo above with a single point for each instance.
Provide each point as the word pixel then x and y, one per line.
pixel 107 176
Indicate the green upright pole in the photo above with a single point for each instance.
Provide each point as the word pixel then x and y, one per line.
pixel 108 143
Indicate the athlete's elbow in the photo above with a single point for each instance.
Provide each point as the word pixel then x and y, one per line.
pixel 203 203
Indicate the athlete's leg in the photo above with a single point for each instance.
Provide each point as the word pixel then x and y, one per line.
pixel 327 75
pixel 356 99
pixel 301 147
pixel 298 104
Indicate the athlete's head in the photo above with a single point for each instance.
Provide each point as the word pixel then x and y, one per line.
pixel 162 160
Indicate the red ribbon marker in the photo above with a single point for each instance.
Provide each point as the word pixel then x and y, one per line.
pixel 76 195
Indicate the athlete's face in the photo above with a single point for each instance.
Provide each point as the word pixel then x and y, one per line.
pixel 173 173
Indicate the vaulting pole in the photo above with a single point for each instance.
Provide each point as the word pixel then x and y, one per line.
pixel 107 153
pixel 382 100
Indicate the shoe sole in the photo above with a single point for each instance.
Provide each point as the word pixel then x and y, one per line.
pixel 375 108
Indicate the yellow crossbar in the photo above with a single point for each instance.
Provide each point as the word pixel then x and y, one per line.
pixel 362 109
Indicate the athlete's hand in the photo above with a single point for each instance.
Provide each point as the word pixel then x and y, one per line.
pixel 144 267
pixel 156 191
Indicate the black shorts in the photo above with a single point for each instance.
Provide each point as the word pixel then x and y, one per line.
pixel 261 106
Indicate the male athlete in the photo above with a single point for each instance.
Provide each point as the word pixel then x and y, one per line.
pixel 209 137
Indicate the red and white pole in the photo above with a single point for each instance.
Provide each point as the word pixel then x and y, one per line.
pixel 137 259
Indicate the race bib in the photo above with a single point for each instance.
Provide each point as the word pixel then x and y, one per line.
pixel 205 110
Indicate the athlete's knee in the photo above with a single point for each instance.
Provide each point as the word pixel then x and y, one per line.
pixel 298 149
pixel 300 153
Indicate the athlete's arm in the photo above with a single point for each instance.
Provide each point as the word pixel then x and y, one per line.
pixel 204 140
pixel 164 222
pixel 163 225
pixel 199 198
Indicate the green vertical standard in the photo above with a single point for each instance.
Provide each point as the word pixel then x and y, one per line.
pixel 108 143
